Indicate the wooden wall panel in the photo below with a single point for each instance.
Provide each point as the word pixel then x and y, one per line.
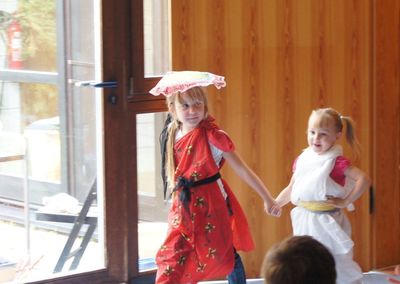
pixel 281 59
pixel 357 94
pixel 387 134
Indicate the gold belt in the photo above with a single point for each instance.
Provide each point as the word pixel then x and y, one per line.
pixel 316 206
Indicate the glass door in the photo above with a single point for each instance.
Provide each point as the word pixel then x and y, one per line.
pixel 153 205
pixel 51 139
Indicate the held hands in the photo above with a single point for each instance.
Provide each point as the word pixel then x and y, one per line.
pixel 272 209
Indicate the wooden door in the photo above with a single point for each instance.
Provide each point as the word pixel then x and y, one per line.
pixel 386 120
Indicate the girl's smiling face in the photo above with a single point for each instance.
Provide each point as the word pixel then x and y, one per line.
pixel 322 133
pixel 189 112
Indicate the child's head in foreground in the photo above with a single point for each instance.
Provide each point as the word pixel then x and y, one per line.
pixel 299 260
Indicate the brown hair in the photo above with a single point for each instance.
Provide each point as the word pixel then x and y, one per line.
pixel 325 115
pixel 299 260
pixel 195 94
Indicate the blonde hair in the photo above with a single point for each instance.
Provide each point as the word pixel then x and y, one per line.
pixel 193 95
pixel 326 115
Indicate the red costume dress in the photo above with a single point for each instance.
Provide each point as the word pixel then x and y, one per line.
pixel 203 231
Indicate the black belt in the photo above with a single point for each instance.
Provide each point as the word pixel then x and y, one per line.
pixel 186 184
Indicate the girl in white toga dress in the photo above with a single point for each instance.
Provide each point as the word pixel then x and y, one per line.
pixel 323 183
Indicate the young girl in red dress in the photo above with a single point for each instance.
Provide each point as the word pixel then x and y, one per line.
pixel 206 222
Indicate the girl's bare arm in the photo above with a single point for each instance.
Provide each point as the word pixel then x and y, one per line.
pixel 246 174
pixel 361 181
pixel 284 197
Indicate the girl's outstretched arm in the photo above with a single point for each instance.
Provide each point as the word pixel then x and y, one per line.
pixel 284 197
pixel 245 173
pixel 361 181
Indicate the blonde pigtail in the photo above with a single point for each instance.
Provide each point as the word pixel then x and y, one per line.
pixel 339 121
pixel 351 136
pixel 170 171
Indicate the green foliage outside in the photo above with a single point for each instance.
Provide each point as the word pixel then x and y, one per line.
pixel 38 23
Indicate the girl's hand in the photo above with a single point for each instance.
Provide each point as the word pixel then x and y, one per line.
pixel 396 272
pixel 392 280
pixel 337 202
pixel 273 209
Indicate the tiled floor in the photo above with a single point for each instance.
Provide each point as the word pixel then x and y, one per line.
pixel 45 249
pixel 46 246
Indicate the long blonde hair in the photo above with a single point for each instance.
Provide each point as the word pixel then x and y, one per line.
pixel 326 114
pixel 193 95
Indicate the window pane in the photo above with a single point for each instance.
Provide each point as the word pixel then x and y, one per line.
pixel 51 139
pixel 29 34
pixel 152 207
pixel 156 37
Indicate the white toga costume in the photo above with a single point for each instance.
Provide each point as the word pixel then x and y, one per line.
pixel 313 183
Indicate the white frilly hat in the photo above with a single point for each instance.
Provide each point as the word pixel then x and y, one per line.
pixel 181 81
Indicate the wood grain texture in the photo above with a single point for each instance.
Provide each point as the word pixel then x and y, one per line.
pixel 281 59
pixel 358 94
pixel 386 143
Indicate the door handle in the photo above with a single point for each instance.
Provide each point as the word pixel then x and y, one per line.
pixel 97 84
pixel 371 199
pixel 112 98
